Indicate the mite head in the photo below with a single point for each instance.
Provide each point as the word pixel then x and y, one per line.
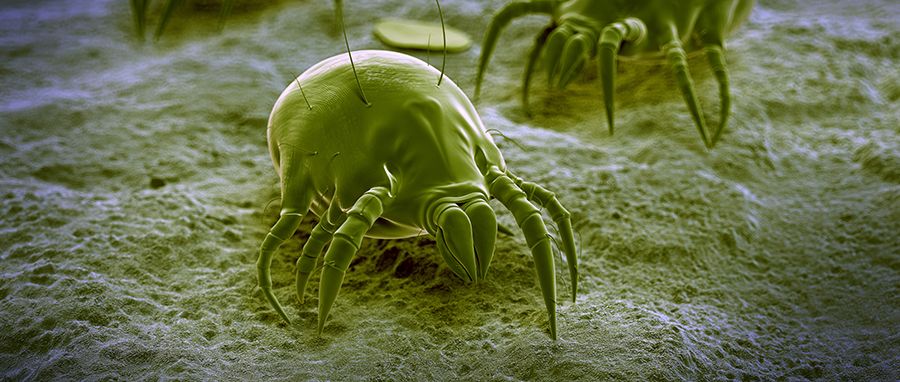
pixel 465 232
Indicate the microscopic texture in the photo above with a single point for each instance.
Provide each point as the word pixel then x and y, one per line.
pixel 136 188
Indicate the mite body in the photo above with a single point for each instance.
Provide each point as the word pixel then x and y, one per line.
pixel 408 157
pixel 583 29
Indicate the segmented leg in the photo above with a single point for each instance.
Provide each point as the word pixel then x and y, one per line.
pixel 346 243
pixel 574 55
pixel 529 219
pixel 318 238
pixel 713 24
pixel 529 65
pixel 555 45
pixel 455 241
pixel 283 229
pixel 499 21
pixel 296 197
pixel 716 57
pixel 678 60
pixel 612 36
pixel 484 233
pixel 546 199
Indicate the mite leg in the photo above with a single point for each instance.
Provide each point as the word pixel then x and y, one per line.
pixel 345 243
pixel 716 56
pixel 556 43
pixel 509 12
pixel 139 11
pixel 574 55
pixel 611 37
pixel 318 238
pixel 529 219
pixel 529 65
pixel 455 241
pixel 484 233
pixel 546 199
pixel 166 16
pixel 296 197
pixel 712 26
pixel 678 60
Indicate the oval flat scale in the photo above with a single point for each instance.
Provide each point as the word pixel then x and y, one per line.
pixel 412 34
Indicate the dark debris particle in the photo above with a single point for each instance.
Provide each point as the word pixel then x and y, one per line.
pixel 425 273
pixel 406 268
pixel 356 261
pixel 425 242
pixel 157 183
pixel 387 259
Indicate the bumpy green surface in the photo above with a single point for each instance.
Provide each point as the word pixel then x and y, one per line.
pixel 134 182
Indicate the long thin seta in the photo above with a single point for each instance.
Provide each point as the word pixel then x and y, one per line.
pixel 297 80
pixel 444 31
pixel 340 12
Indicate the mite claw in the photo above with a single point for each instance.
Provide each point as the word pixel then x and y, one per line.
pixel 285 227
pixel 555 45
pixel 612 36
pixel 455 241
pixel 678 60
pixel 573 58
pixel 716 57
pixel 484 232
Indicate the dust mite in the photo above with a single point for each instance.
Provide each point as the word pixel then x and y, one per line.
pixel 582 29
pixel 414 159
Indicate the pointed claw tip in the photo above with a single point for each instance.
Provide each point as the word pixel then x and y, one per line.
pixel 456 241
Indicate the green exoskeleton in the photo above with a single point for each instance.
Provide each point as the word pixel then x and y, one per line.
pixel 408 157
pixel 582 29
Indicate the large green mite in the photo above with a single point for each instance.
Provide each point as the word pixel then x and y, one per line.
pixel 407 157
pixel 582 29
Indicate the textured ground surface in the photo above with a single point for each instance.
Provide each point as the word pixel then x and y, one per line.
pixel 134 184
